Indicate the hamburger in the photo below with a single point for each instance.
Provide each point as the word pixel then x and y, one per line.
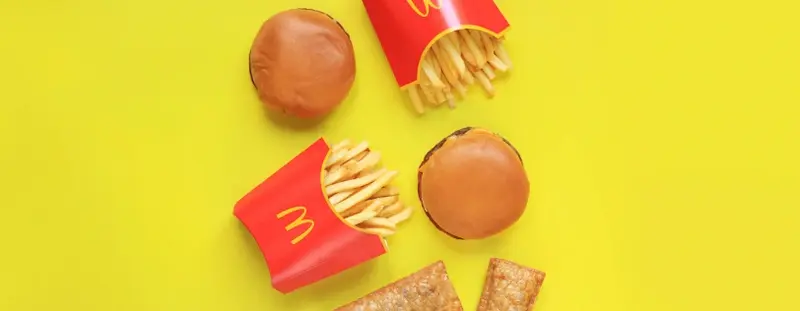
pixel 472 184
pixel 302 63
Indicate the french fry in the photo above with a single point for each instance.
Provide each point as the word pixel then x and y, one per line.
pixel 460 88
pixel 340 171
pixel 455 62
pixel 344 155
pixel 416 101
pixel 466 53
pixel 437 67
pixel 487 70
pixel 378 222
pixel 453 54
pixel 453 36
pixel 339 197
pixel 375 205
pixel 370 160
pixel 497 63
pixel 426 89
pixel 469 78
pixel 400 217
pixel 429 97
pixel 502 54
pixel 365 192
pixel 472 46
pixel 354 183
pixel 359 191
pixel 341 145
pixel 450 72
pixel 484 81
pixel 436 92
pixel 386 192
pixel 362 155
pixel 379 204
pixel 358 149
pixel 379 231
pixel 476 35
pixel 335 158
pixel 451 100
pixel 333 168
pixel 363 161
pixel 440 98
pixel 433 77
pixel 441 93
pixel 358 208
pixel 488 43
pixel 360 217
pixel 391 210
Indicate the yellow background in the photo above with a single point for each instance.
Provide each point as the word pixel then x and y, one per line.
pixel 660 137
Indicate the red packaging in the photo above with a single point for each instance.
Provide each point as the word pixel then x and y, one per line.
pixel 301 237
pixel 408 28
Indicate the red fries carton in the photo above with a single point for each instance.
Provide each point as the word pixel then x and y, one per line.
pixel 301 237
pixel 408 28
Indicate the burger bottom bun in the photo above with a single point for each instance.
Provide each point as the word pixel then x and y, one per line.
pixel 473 185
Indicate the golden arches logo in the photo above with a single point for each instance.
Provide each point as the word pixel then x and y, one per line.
pixel 297 222
pixel 426 6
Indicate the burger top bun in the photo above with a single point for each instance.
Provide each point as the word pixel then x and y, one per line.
pixel 302 63
pixel 472 185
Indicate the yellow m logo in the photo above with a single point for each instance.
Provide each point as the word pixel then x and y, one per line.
pixel 297 222
pixel 426 6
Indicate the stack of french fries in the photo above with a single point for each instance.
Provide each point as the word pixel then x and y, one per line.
pixel 359 190
pixel 455 62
